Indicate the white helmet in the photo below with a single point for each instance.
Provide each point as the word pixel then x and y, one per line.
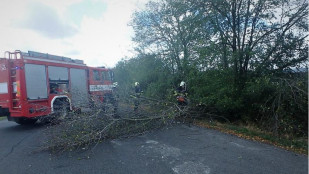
pixel 136 83
pixel 115 84
pixel 182 83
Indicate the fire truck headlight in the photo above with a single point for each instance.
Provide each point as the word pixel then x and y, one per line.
pixel 31 110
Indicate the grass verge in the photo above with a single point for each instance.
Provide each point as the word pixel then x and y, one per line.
pixel 298 145
pixel 3 118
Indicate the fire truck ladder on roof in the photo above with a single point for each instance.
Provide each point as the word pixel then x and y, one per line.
pixel 13 55
pixel 47 56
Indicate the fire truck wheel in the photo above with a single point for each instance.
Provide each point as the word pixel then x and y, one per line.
pixel 61 109
pixel 25 121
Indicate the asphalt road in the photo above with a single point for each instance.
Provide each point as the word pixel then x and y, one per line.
pixel 178 149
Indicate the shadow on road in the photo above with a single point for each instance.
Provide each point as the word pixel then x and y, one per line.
pixel 14 127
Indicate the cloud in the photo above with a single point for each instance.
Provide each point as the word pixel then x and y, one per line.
pixel 72 52
pixel 45 20
pixel 93 9
pixel 98 35
pixel 107 39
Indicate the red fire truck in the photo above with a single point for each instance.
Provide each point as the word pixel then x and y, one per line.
pixel 34 84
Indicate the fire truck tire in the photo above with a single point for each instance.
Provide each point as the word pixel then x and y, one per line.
pixel 61 109
pixel 25 121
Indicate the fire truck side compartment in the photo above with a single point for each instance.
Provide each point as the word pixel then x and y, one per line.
pixel 58 73
pixel 79 87
pixel 36 82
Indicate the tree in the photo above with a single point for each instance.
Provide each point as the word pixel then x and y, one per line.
pixel 148 70
pixel 169 29
pixel 260 35
pixel 232 53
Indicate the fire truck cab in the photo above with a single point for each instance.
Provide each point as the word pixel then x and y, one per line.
pixel 34 84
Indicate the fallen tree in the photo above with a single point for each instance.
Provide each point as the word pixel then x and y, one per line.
pixel 86 130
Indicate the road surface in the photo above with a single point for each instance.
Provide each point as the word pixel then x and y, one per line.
pixel 178 149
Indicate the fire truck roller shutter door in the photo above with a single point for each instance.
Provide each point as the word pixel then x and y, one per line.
pixel 36 81
pixel 58 73
pixel 79 88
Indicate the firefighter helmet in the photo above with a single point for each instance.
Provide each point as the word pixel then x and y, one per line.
pixel 182 83
pixel 115 84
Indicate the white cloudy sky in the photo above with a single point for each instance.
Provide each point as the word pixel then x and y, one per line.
pixel 95 31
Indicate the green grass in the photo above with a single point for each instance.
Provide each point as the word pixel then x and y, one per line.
pixel 293 143
pixel 296 144
pixel 3 118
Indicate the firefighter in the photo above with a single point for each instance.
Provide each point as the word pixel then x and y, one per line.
pixel 181 93
pixel 182 88
pixel 115 85
pixel 138 91
pixel 115 96
pixel 115 90
pixel 137 88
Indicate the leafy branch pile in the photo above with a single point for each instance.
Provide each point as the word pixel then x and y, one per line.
pixel 85 130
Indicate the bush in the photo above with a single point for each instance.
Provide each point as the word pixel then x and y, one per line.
pixel 216 90
pixel 278 104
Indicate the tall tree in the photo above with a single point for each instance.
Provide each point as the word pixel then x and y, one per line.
pixel 260 34
pixel 170 29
